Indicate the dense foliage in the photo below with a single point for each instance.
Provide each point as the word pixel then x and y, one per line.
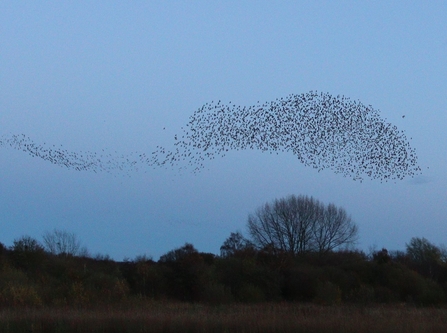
pixel 32 276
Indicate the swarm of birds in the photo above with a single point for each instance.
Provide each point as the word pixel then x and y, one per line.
pixel 79 161
pixel 323 131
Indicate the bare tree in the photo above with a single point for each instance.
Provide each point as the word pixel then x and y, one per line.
pixel 61 242
pixel 299 224
pixel 236 242
pixel 286 224
pixel 426 256
pixel 333 229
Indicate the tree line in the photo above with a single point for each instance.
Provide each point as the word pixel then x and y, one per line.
pixel 297 249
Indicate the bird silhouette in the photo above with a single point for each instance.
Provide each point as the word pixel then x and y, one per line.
pixel 322 131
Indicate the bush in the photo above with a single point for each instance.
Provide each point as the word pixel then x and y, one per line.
pixel 27 254
pixel 300 283
pixel 78 296
pixel 328 293
pixel 17 290
pixel 364 294
pixel 20 296
pixel 431 293
pixel 250 294
pixel 216 294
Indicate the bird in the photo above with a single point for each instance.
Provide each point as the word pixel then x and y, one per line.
pixel 323 131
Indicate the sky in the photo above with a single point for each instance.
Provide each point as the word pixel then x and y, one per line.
pixel 125 77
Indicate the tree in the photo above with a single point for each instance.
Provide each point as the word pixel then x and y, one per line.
pixel 26 244
pixel 236 242
pixel 184 272
pixel 27 253
pixel 61 242
pixel 382 256
pixel 420 251
pixel 299 224
pixel 185 252
pixel 426 256
pixel 333 228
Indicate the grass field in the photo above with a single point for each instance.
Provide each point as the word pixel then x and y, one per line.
pixel 271 317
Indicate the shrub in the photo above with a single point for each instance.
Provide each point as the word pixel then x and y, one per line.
pixel 27 253
pixel 364 294
pixel 17 290
pixel 216 294
pixel 78 296
pixel 300 283
pixel 250 294
pixel 431 293
pixel 20 296
pixel 328 293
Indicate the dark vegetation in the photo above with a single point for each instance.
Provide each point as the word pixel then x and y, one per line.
pixel 298 252
pixel 298 261
pixel 242 290
pixel 30 276
pixel 176 317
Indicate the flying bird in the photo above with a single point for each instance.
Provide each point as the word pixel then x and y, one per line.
pixel 321 130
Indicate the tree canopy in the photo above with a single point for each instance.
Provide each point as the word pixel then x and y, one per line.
pixel 299 224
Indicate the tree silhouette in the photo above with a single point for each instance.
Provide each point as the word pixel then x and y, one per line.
pixel 299 224
pixel 236 242
pixel 60 242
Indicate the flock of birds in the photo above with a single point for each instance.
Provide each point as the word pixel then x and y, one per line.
pixel 322 131
pixel 79 161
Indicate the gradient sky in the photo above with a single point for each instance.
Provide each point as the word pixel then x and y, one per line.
pixel 93 75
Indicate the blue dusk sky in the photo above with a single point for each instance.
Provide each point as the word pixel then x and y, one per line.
pixel 123 77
